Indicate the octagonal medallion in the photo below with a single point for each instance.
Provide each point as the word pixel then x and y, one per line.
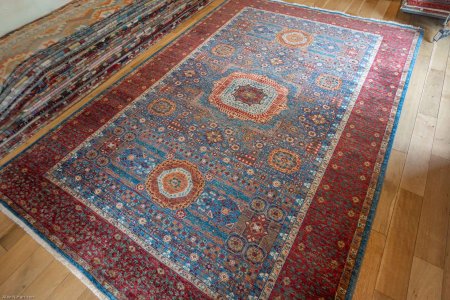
pixel 293 38
pixel 175 184
pixel 249 97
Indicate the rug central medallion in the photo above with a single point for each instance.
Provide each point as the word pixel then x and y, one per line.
pixel 210 169
pixel 249 97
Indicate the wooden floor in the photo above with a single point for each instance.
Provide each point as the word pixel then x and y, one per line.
pixel 408 254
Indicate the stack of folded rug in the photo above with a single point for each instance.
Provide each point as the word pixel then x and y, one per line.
pixel 47 82
pixel 434 8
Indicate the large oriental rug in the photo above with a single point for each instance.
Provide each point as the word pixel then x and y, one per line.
pixel 244 160
pixel 435 8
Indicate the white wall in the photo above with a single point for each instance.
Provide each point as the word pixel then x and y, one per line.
pixel 15 13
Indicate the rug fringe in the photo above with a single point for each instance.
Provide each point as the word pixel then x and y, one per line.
pixel 67 263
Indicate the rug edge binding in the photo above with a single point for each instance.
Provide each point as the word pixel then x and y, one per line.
pixel 52 249
pixel 379 185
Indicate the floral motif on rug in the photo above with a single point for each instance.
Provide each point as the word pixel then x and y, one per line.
pixel 241 161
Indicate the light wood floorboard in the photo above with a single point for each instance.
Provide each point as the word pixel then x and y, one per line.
pixel 408 253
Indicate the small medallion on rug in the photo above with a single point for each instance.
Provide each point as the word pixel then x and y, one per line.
pixel 175 184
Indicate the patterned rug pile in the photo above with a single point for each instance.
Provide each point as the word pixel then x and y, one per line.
pixel 47 82
pixel 435 8
pixel 20 44
pixel 244 160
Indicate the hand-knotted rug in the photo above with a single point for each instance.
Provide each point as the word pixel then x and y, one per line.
pixel 244 160
pixel 436 8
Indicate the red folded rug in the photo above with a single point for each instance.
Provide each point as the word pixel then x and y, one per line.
pixel 435 8
pixel 244 160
